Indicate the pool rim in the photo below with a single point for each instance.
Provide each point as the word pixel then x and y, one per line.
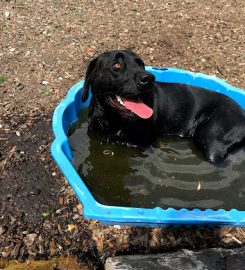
pixel 119 215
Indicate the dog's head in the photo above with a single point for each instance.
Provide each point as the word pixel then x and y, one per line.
pixel 119 82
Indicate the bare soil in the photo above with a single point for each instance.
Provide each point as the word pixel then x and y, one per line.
pixel 45 47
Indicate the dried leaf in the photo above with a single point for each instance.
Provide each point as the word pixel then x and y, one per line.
pixel 29 239
pixel 47 225
pixel 71 227
pixel 2 230
pixel 59 229
pixel 100 245
pixel 61 200
pixel 80 208
pixel 53 248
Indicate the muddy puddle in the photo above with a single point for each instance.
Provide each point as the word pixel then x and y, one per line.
pixel 170 173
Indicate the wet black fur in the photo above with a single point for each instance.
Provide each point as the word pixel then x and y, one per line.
pixel 214 121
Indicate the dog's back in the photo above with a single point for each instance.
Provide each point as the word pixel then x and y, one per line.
pixel 213 120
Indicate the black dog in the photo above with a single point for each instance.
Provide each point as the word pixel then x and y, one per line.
pixel 128 106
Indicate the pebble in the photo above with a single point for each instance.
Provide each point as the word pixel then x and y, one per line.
pixel 34 192
pixel 44 82
pixel 7 14
pixel 18 84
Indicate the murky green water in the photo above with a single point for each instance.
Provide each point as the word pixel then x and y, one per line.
pixel 170 173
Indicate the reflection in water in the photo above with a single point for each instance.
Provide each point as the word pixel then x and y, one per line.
pixel 170 173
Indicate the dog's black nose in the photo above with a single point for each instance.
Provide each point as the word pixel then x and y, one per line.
pixel 146 79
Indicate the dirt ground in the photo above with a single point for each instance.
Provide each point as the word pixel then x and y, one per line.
pixel 45 46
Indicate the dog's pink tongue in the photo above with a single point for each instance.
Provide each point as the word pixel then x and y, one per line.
pixel 138 107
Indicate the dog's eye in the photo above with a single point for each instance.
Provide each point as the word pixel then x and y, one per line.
pixel 117 66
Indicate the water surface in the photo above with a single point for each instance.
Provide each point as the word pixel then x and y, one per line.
pixel 169 173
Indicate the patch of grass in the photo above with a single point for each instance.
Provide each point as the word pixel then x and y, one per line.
pixel 45 91
pixel 22 6
pixel 81 20
pixel 45 214
pixel 2 78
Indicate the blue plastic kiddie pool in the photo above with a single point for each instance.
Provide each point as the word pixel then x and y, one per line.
pixel 67 112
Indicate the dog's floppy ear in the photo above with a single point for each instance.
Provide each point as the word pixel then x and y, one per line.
pixel 88 76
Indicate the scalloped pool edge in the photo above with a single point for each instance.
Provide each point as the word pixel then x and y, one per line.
pixel 67 112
